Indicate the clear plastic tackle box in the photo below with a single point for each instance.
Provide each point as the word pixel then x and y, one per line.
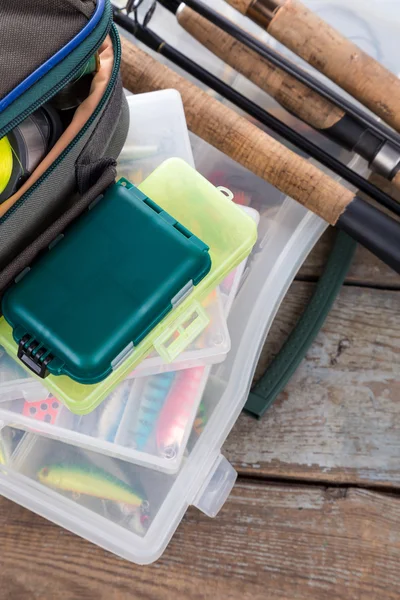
pixel 184 194
pixel 146 419
pixel 230 234
pixel 157 132
pixel 134 511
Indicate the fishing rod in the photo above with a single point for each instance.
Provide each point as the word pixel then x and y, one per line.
pixel 245 143
pixel 292 69
pixel 295 97
pixel 155 42
pixel 310 37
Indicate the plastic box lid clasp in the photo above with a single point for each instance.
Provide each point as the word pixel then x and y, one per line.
pixel 216 487
pixel 184 330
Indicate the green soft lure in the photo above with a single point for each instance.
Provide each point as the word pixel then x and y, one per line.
pixel 93 482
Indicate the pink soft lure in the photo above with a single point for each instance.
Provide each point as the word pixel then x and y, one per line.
pixel 177 411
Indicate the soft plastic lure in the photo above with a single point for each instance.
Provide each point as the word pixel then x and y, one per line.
pixel 94 482
pixel 112 411
pixel 3 459
pixel 154 395
pixel 176 412
pixel 201 420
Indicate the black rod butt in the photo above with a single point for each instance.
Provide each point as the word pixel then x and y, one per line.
pixel 375 230
pixel 171 5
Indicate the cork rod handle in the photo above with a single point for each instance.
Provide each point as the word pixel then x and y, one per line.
pixel 328 51
pixel 235 136
pixel 285 89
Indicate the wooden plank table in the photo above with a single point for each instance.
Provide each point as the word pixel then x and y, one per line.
pixel 316 510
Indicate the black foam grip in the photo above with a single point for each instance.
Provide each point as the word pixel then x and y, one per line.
pixel 171 5
pixel 353 135
pixel 373 229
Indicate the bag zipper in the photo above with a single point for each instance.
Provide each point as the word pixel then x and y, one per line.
pixel 117 61
pixel 48 95
pixel 52 62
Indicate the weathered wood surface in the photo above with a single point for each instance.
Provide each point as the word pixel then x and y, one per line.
pixel 339 417
pixel 366 270
pixel 269 542
pixel 310 534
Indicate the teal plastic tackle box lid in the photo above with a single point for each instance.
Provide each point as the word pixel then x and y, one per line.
pixel 145 420
pixel 103 286
pixel 230 235
pixel 157 132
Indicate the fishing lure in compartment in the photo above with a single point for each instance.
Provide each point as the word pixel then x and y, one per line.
pixel 112 411
pixel 136 162
pixel 228 283
pixel 176 412
pixel 198 427
pixel 45 410
pixel 201 420
pixel 132 152
pixel 154 396
pixel 3 453
pixel 97 483
pixel 9 440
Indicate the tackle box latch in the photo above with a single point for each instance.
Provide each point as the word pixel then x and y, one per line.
pixel 184 330
pixel 34 356
pixel 216 487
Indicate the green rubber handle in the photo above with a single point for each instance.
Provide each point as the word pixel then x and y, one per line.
pixel 298 343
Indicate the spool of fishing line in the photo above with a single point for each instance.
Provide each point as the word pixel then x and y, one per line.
pixel 77 90
pixel 6 163
pixel 24 148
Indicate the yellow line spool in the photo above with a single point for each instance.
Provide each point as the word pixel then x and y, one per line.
pixel 6 163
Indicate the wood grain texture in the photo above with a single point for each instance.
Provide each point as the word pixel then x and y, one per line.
pixel 366 269
pixel 269 542
pixel 311 38
pixel 338 419
pixel 224 129
pixel 390 187
pixel 290 93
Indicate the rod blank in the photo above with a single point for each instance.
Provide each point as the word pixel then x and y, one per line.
pixel 257 151
pixel 323 47
pixel 290 93
pixel 294 96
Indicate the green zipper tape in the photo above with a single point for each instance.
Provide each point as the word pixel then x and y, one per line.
pixel 69 65
pixel 117 62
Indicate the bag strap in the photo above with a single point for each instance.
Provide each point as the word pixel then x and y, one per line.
pixel 298 343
